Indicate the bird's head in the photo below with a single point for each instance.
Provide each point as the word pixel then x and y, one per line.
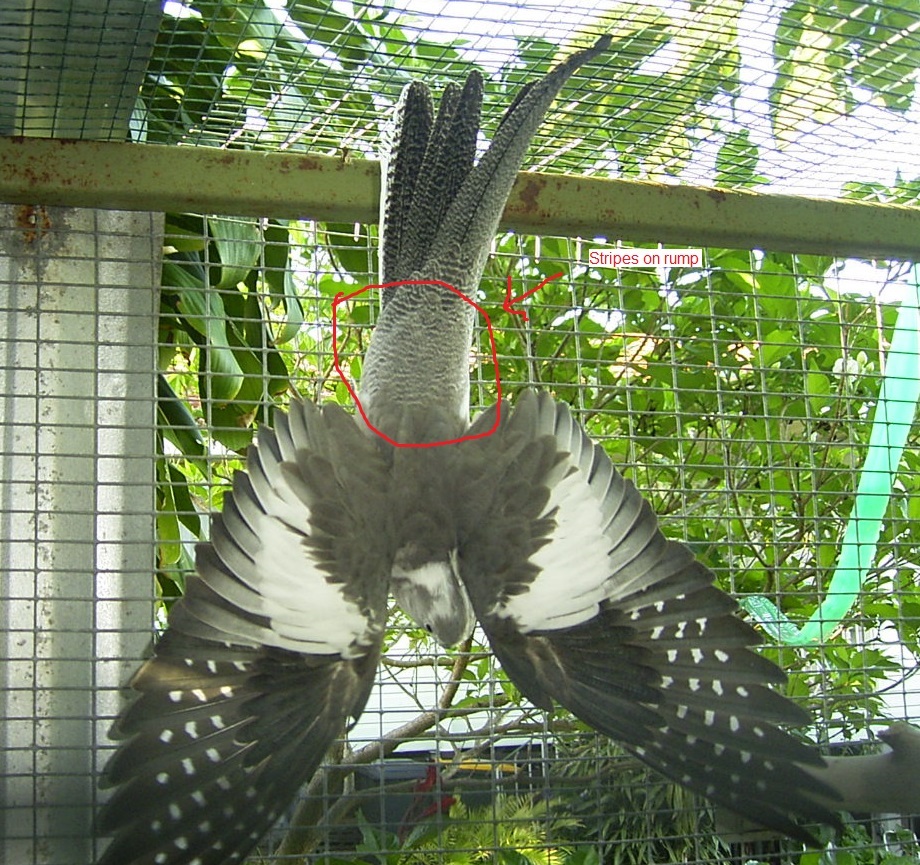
pixel 428 588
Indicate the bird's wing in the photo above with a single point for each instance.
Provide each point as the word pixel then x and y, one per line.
pixel 585 602
pixel 274 645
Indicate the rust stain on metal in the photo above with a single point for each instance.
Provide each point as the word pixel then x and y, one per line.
pixel 34 222
pixel 530 194
pixel 303 163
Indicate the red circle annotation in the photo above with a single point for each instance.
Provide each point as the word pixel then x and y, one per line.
pixel 341 297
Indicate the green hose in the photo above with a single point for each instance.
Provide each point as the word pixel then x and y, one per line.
pixel 897 404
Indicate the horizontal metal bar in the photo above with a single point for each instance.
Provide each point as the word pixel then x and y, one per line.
pixel 125 176
pixel 290 185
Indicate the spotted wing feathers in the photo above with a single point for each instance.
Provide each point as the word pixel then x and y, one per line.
pixel 596 609
pixel 274 645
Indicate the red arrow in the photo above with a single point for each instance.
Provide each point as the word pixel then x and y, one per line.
pixel 510 301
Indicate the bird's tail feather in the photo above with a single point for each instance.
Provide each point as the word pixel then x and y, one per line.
pixel 472 220
pixel 428 164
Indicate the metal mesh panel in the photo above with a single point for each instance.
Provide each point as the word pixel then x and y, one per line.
pixel 738 395
pixel 77 353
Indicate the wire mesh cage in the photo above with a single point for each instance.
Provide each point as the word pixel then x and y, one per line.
pixel 755 395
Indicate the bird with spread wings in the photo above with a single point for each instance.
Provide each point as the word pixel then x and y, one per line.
pixel 529 531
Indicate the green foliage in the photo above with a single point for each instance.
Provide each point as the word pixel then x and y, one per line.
pixel 827 52
pixel 856 847
pixel 626 810
pixel 514 830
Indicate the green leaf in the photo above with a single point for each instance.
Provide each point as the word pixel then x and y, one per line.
pixel 177 421
pixel 231 425
pixel 280 280
pixel 221 374
pixel 350 251
pixel 238 243
pixel 776 346
pixel 204 312
pixel 169 546
pixel 736 161
pixel 818 388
